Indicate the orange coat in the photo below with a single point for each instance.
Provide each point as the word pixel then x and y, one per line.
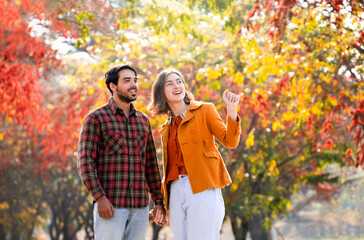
pixel 196 133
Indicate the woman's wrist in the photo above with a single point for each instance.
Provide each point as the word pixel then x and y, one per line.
pixel 233 113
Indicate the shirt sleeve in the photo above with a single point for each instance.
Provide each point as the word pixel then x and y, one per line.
pixel 87 154
pixel 152 172
pixel 229 134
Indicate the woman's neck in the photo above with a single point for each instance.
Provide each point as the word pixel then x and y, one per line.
pixel 178 108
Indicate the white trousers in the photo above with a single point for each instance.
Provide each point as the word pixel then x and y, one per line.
pixel 195 216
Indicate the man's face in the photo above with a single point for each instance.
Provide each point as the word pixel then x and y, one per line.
pixel 126 90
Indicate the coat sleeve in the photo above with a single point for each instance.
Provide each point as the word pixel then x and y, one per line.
pixel 229 134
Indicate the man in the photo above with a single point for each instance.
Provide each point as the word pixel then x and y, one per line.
pixel 117 162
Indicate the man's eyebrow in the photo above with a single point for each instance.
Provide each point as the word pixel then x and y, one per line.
pixel 135 78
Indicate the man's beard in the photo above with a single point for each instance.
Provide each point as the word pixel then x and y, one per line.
pixel 123 96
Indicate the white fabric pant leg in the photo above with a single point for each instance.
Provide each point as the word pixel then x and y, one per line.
pixel 127 224
pixel 195 216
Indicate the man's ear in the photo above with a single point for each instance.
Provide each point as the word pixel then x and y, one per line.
pixel 113 86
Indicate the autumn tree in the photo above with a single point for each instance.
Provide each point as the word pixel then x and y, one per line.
pixel 39 117
pixel 296 112
pixel 296 65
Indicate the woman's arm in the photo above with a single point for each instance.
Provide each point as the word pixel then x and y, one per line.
pixel 229 134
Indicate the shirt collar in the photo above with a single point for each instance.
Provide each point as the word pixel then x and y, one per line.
pixel 170 117
pixel 115 107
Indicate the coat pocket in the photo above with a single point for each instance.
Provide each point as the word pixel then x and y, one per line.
pixel 211 154
pixel 114 143
pixel 212 158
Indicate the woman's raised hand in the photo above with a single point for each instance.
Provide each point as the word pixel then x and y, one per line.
pixel 232 101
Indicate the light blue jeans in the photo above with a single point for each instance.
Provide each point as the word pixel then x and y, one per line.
pixel 127 224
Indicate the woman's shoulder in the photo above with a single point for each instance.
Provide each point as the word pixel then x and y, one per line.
pixel 200 104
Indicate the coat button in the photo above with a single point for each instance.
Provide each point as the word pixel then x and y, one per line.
pixel 193 130
pixel 195 140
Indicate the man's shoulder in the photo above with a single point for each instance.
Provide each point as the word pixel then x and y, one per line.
pixel 142 115
pixel 99 112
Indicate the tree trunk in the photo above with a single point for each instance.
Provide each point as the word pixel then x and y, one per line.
pixel 240 231
pixel 2 232
pixel 156 230
pixel 257 230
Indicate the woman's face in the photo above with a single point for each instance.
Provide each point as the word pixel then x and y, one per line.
pixel 174 88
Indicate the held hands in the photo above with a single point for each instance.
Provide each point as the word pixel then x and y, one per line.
pixel 158 215
pixel 105 208
pixel 231 100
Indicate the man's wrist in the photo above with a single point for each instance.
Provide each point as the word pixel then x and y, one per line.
pixel 100 198
pixel 159 202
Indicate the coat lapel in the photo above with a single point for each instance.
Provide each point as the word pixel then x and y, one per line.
pixel 164 132
pixel 189 115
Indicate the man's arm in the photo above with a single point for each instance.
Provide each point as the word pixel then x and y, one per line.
pixel 87 154
pixel 152 173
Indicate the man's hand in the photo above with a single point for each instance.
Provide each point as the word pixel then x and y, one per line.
pixel 105 208
pixel 158 215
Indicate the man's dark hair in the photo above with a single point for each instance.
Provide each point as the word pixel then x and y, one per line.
pixel 112 75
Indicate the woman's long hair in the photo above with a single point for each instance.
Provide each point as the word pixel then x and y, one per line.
pixel 159 103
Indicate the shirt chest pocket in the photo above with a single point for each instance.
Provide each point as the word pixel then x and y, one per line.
pixel 114 143
pixel 142 140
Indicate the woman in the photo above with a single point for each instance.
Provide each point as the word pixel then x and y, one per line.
pixel 194 171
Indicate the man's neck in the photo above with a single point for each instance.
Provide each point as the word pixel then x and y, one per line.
pixel 125 106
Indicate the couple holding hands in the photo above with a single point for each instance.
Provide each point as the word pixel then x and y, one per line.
pixel 117 159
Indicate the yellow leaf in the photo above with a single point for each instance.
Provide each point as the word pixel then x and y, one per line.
pixel 276 125
pixel 315 110
pixel 91 91
pixel 1 136
pixel 234 186
pixel 287 116
pixel 50 106
pixel 4 206
pixel 250 140
pixel 239 78
pixel 240 173
pixel 272 166
pixel 214 74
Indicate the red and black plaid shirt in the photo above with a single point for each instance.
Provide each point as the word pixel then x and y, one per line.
pixel 116 157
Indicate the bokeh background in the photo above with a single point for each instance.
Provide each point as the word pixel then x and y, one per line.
pixel 297 65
